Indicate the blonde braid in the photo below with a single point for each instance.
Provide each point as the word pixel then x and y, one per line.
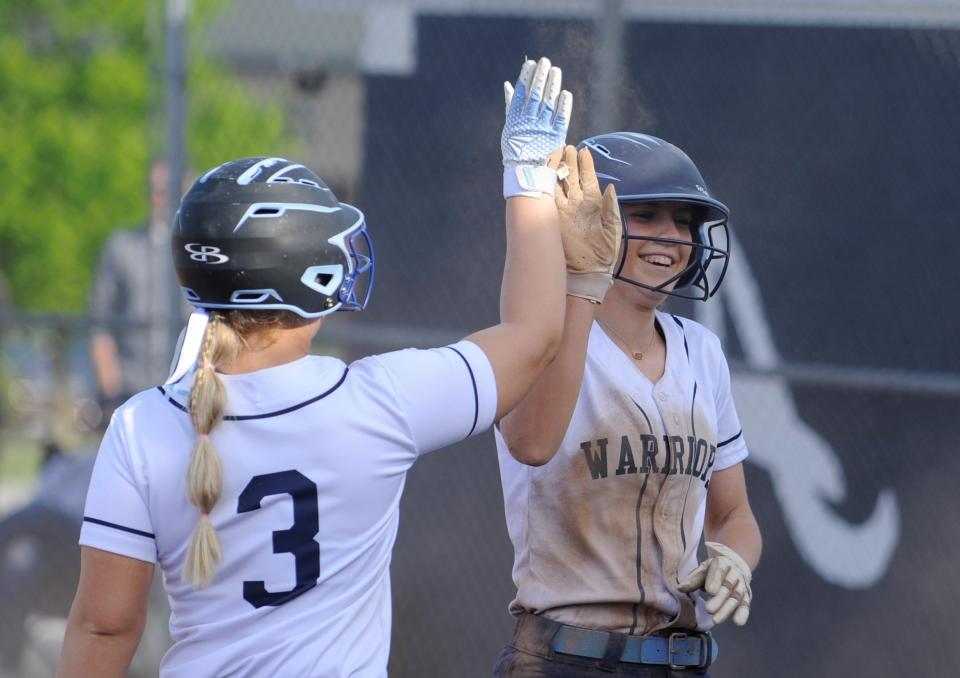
pixel 208 399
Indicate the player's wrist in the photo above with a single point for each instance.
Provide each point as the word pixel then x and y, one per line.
pixel 590 286
pixel 717 550
pixel 530 181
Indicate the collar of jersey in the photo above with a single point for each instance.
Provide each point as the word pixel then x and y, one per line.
pixel 612 352
pixel 272 391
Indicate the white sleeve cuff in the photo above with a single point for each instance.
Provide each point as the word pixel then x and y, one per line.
pixel 120 539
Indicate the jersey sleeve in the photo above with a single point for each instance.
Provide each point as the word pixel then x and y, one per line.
pixel 116 517
pixel 445 394
pixel 731 446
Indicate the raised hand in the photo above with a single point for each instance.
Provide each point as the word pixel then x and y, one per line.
pixel 590 224
pixel 537 118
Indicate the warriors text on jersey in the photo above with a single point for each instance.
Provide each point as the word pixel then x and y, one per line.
pixel 604 532
pixel 314 456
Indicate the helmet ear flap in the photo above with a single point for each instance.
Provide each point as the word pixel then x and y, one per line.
pixel 712 260
pixel 698 254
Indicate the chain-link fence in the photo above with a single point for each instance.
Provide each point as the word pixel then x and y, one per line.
pixel 831 136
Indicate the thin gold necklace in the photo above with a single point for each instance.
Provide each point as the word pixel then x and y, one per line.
pixel 638 354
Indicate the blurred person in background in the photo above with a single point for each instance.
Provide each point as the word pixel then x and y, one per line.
pixel 628 447
pixel 4 294
pixel 200 476
pixel 134 304
pixel 5 308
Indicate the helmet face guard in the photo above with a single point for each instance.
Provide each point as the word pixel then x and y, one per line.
pixel 268 234
pixel 644 169
pixel 354 293
pixel 701 277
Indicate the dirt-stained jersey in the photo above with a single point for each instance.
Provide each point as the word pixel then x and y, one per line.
pixel 604 532
pixel 314 455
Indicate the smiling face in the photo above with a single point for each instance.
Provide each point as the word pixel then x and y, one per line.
pixel 657 248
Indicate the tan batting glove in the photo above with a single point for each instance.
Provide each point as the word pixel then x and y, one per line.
pixel 725 576
pixel 589 225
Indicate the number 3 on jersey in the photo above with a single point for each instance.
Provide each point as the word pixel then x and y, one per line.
pixel 298 540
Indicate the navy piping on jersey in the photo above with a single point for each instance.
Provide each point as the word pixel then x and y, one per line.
pixel 693 409
pixel 97 521
pixel 686 495
pixel 640 588
pixel 476 396
pixel 684 333
pixel 286 410
pixel 643 489
pixel 730 440
pixel 649 426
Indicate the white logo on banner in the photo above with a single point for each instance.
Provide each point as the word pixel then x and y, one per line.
pixel 807 476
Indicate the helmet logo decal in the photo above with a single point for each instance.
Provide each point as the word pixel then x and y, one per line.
pixel 260 210
pixel 279 177
pixel 604 151
pixel 640 139
pixel 253 296
pixel 702 189
pixel 251 173
pixel 283 170
pixel 205 254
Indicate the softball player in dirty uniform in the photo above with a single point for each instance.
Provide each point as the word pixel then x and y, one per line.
pixel 628 447
pixel 265 481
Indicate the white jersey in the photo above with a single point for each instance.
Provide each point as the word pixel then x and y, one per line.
pixel 604 532
pixel 314 455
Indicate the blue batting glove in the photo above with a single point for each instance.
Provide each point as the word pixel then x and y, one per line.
pixel 537 118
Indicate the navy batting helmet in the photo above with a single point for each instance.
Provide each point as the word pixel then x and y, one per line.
pixel 644 168
pixel 268 233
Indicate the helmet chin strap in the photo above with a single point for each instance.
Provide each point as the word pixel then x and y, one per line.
pixel 188 346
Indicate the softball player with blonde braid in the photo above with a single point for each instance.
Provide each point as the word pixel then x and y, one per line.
pixel 628 447
pixel 265 481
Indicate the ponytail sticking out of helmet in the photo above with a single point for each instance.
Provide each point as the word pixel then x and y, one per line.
pixel 644 168
pixel 208 400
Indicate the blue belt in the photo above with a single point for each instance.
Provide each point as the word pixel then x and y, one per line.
pixel 679 650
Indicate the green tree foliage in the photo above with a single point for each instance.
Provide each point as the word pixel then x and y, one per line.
pixel 78 125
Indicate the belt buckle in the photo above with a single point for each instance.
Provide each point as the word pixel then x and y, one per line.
pixel 671 651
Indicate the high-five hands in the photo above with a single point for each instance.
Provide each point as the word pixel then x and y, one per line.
pixel 725 576
pixel 537 117
pixel 589 224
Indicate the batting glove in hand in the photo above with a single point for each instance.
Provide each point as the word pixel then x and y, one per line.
pixel 589 225
pixel 537 117
pixel 726 577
